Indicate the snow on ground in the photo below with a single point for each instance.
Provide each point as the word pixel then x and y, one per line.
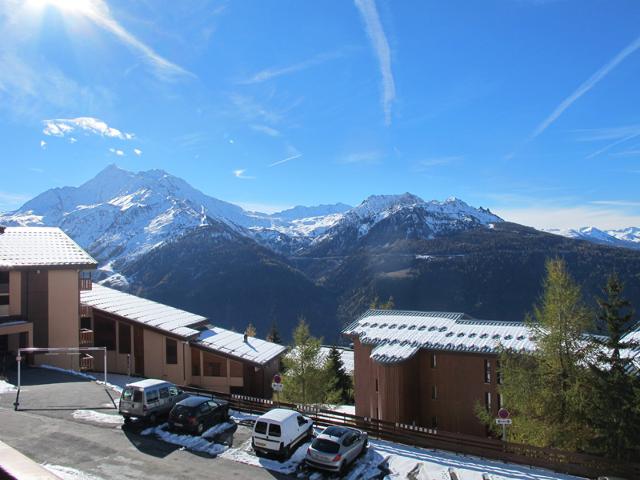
pixel 245 454
pixel 67 473
pixel 425 464
pixel 242 416
pixel 97 417
pixel 6 387
pixel 190 442
pixel 350 409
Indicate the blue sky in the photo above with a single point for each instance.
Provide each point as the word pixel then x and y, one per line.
pixel 529 107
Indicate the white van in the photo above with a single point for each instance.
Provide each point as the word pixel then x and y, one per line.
pixel 280 431
pixel 149 399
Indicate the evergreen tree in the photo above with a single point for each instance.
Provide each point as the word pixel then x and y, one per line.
pixel 273 335
pixel 374 303
pixel 342 380
pixel 388 305
pixel 615 390
pixel 545 389
pixel 304 380
pixel 250 331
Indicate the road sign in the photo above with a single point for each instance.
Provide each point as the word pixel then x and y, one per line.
pixel 504 421
pixel 503 413
pixel 277 387
pixel 277 378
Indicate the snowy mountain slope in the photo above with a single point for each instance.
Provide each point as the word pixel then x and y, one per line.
pixel 624 237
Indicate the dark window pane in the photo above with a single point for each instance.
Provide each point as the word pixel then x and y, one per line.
pixel 274 430
pixel 104 333
pixel 124 338
pixel 172 351
pixel 326 446
pixel 261 427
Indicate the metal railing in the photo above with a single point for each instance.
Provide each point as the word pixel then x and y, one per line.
pixel 553 459
pixel 86 337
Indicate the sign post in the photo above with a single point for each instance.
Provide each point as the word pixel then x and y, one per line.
pixel 504 420
pixel 276 386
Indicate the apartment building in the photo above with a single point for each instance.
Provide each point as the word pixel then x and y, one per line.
pixel 47 299
pixel 430 368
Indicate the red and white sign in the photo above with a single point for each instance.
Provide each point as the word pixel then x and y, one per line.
pixel 503 413
pixel 277 378
pixel 276 384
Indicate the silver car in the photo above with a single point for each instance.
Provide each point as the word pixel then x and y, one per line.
pixel 336 448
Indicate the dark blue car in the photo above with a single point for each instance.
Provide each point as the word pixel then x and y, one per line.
pixel 197 414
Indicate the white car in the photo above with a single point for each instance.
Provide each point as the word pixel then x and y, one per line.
pixel 280 431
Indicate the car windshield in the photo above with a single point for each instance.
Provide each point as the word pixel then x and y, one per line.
pixel 261 427
pixel 326 446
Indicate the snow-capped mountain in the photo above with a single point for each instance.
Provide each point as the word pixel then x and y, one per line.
pixel 120 215
pixel 624 237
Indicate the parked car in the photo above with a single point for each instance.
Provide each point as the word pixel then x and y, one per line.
pixel 149 399
pixel 280 431
pixel 196 414
pixel 336 448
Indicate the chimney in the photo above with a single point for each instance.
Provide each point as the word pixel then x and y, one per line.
pixel 245 338
pixel 2 229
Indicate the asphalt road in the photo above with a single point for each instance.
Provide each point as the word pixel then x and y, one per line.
pixel 45 430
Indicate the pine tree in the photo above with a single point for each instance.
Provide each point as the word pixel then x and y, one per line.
pixel 343 384
pixel 545 389
pixel 273 335
pixel 250 331
pixel 388 305
pixel 615 389
pixel 304 378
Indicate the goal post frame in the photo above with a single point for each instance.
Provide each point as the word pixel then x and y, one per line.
pixel 67 350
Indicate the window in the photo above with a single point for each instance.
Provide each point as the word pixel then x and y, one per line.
pixel 172 351
pixel 434 421
pixel 326 446
pixel 498 373
pixel 4 299
pixel 205 408
pixel 124 338
pixel 274 430
pixel 487 371
pixel 164 392
pixel 152 396
pixel 214 369
pixel 487 401
pixel 376 384
pixel 4 277
pixel 104 333
pixel 433 360
pixel 85 322
pixel 137 396
pixel 261 427
pixel 301 420
pixel 434 392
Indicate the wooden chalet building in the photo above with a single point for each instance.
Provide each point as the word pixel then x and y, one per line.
pixel 430 368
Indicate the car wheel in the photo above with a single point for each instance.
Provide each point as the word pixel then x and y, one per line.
pixel 342 468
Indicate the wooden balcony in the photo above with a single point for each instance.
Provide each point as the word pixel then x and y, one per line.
pixel 85 284
pixel 85 310
pixel 86 362
pixel 86 337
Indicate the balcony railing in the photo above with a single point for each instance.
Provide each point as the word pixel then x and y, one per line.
pixel 86 337
pixel 85 284
pixel 86 362
pixel 85 310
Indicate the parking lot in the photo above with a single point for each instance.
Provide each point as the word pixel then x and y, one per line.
pixel 71 422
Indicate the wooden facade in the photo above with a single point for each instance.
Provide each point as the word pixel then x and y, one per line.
pixel 434 389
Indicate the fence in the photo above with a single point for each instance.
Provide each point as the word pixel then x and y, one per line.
pixel 557 460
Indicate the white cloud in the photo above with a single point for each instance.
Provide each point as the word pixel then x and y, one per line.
pixel 73 140
pixel 570 217
pixel 373 156
pixel 381 48
pixel 285 160
pixel 137 151
pixel 60 127
pixel 240 173
pixel 117 151
pixel 262 207
pixel 270 73
pixel 586 86
pixel 616 203
pixel 43 144
pixel 272 132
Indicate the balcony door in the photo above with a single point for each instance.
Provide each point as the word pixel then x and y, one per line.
pixel 138 350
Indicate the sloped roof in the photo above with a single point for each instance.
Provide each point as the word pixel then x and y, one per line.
pixel 22 247
pixel 398 335
pixel 147 312
pixel 232 343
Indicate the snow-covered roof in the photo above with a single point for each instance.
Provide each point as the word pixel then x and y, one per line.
pixel 278 414
pixel 232 343
pixel 147 312
pixel 41 247
pixel 346 355
pixel 398 335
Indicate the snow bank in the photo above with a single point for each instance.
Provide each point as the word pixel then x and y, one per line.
pixel 189 442
pixel 6 387
pixel 97 417
pixel 67 473
pixel 245 454
pixel 242 416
